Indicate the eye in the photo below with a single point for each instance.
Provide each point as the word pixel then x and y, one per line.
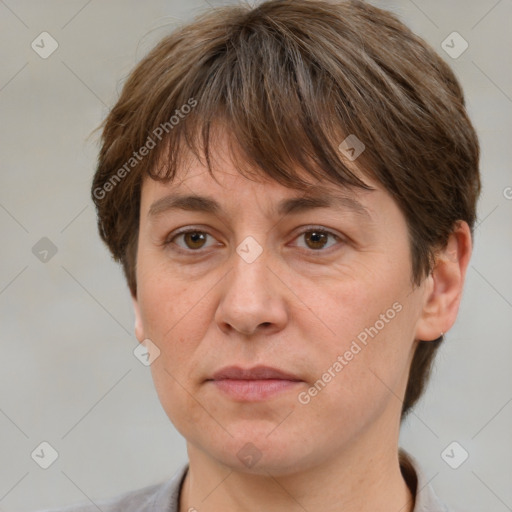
pixel 193 239
pixel 318 238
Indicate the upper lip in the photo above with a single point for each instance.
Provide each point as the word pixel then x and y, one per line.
pixel 255 373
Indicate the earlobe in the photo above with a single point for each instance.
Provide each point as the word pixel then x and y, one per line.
pixel 446 282
pixel 139 329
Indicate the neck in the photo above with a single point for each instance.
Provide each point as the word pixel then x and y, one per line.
pixel 353 480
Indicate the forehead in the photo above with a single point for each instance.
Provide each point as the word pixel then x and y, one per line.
pixel 228 187
pixel 229 195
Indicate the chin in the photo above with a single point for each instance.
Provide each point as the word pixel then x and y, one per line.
pixel 255 451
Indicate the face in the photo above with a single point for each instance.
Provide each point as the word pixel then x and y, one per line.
pixel 285 319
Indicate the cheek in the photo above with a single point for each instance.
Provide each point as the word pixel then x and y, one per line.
pixel 167 301
pixel 363 336
pixel 176 315
pixel 175 318
pixel 176 396
pixel 342 309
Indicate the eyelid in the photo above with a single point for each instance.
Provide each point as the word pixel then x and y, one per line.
pixel 316 227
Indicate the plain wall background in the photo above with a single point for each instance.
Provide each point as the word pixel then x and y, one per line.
pixel 68 375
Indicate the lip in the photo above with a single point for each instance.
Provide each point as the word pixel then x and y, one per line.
pixel 254 373
pixel 253 384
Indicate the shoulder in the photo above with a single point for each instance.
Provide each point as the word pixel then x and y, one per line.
pixel 160 496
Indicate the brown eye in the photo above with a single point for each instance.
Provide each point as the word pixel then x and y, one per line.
pixel 194 239
pixel 191 240
pixel 317 239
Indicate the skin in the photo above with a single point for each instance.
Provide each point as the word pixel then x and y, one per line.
pixel 297 307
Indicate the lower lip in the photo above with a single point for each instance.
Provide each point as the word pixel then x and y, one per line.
pixel 254 390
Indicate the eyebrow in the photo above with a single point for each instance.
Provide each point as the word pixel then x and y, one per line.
pixel 289 206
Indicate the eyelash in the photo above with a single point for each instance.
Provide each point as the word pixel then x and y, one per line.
pixel 169 241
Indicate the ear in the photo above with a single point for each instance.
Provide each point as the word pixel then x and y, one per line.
pixel 443 291
pixel 139 328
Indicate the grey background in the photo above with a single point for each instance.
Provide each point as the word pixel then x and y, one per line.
pixel 68 375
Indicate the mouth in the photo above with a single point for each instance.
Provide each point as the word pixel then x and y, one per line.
pixel 253 384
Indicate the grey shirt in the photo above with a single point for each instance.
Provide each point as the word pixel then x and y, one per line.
pixel 164 496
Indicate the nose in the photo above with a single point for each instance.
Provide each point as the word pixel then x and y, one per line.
pixel 252 300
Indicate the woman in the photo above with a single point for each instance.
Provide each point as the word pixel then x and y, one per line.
pixel 291 191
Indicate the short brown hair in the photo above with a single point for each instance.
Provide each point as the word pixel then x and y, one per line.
pixel 293 78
